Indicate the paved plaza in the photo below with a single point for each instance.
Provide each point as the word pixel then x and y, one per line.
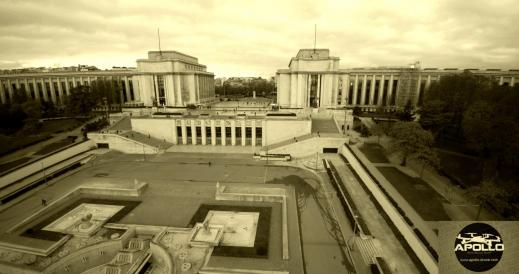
pixel 185 181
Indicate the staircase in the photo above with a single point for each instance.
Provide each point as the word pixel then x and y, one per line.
pixel 161 145
pixel 138 244
pixel 123 258
pixel 369 249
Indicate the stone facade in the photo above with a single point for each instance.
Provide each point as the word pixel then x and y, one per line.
pixel 165 78
pixel 314 79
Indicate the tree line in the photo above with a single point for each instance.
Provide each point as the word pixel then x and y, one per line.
pixel 477 114
pixel 23 112
pixel 468 114
pixel 264 88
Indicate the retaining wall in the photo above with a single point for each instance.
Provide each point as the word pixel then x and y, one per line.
pixel 407 232
pixel 122 144
pixel 44 163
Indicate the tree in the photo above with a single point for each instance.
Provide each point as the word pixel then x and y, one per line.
pixel 32 109
pixel 407 114
pixel 48 109
pixel 410 139
pixel 426 156
pixel 80 101
pixel 478 128
pixel 377 130
pixel 435 116
pixel 458 92
pixel 488 192
pixel 357 111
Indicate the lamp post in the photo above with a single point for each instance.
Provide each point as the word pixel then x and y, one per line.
pixel 350 247
pixel 143 153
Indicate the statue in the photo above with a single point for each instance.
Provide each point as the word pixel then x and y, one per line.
pixel 86 221
pixel 205 227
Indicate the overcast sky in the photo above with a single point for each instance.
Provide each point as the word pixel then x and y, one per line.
pixel 255 38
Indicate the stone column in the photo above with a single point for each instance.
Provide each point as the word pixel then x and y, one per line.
pixel 10 89
pixel 204 134
pixel 512 81
pixel 233 132
pixel 428 83
pixel 2 94
pixel 184 132
pixel 243 139
pixel 127 89
pixel 363 94
pixel 67 86
pixel 213 133
pixel 264 133
pixel 500 80
pixel 60 91
pixel 193 132
pixel 36 89
pixel 44 90
pixel 52 91
pixel 222 125
pixel 345 89
pixel 89 81
pixel 27 88
pixel 253 133
pixel 178 91
pixel 175 133
pixel 355 88
pixel 390 90
pixel 381 91
pixel 372 90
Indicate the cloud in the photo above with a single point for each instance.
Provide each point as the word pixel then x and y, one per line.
pixel 236 37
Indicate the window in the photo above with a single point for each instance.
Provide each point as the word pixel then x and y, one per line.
pixel 228 132
pixel 160 90
pixel 359 92
pixel 132 97
pixel 313 91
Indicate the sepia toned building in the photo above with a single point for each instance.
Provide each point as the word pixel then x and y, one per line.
pixel 165 78
pixel 314 79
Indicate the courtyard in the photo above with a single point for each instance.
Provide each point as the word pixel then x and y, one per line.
pixel 179 186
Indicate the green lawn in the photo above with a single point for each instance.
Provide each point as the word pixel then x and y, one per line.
pixel 12 143
pixel 54 146
pixel 9 165
pixel 55 126
pixel 424 199
pixel 374 153
pixel 464 170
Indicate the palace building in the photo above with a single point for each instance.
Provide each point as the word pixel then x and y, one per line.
pixel 165 78
pixel 315 80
